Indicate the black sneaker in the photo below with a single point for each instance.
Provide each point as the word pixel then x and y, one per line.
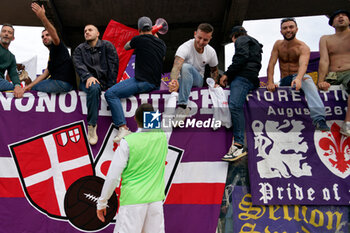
pixel 322 125
pixel 235 153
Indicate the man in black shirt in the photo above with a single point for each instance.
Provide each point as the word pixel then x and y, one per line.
pixel 59 76
pixel 150 53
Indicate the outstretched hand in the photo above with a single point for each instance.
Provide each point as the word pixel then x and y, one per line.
pixel 38 10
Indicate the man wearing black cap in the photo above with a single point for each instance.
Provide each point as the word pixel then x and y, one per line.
pixel 150 53
pixel 293 56
pixel 334 67
pixel 242 76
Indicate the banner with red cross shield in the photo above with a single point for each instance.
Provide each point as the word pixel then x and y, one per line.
pixel 49 163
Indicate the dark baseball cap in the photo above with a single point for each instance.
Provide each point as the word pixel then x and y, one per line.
pixel 237 29
pixel 144 22
pixel 335 13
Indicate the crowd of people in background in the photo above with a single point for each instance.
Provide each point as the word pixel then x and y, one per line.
pixel 95 62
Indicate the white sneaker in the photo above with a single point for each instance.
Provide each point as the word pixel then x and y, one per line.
pixel 122 132
pixel 235 153
pixel 181 114
pixel 92 135
pixel 345 129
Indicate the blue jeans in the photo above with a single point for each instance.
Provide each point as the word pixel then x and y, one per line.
pixel 239 89
pixel 314 102
pixel 93 97
pixel 124 89
pixel 190 77
pixel 52 86
pixel 5 85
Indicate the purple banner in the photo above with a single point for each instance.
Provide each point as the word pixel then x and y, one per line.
pixel 290 162
pixel 39 160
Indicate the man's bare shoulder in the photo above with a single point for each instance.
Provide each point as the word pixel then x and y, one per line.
pixel 333 41
pixel 278 44
pixel 332 37
pixel 303 45
pixel 327 37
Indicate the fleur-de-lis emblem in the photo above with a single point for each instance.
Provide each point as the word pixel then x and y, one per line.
pixel 334 150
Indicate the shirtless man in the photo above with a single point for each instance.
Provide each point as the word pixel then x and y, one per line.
pixel 293 56
pixel 335 59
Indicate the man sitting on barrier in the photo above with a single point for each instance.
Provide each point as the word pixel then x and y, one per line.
pixel 150 53
pixel 8 62
pixel 59 76
pixel 189 66
pixel 96 62
pixel 335 59
pixel 293 56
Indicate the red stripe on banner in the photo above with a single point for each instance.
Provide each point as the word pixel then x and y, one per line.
pixel 196 193
pixel 10 187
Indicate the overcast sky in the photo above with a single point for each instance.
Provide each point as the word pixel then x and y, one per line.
pixel 28 42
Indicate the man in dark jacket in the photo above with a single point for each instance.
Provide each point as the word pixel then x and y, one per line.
pixel 96 62
pixel 242 76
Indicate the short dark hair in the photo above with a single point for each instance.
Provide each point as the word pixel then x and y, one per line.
pixel 146 29
pixel 289 19
pixel 238 31
pixel 205 27
pixel 90 24
pixel 141 109
pixel 8 25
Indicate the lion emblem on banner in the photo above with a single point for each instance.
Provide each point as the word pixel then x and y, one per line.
pixel 280 146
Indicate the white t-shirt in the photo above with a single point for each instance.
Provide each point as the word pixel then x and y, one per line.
pixel 188 52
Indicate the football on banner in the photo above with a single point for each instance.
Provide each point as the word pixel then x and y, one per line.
pixel 80 204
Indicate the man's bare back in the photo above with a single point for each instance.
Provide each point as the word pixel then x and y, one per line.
pixel 289 54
